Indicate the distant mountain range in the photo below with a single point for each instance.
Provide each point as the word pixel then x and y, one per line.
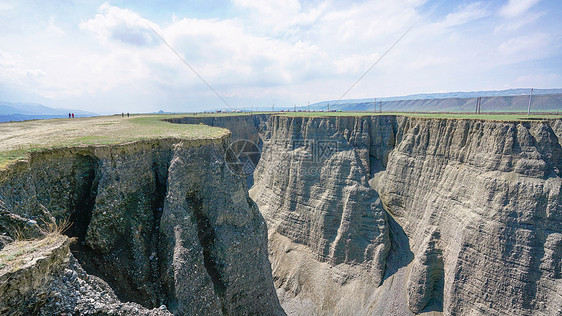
pixel 513 100
pixel 18 111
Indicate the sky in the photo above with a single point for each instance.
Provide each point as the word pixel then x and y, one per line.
pixel 107 56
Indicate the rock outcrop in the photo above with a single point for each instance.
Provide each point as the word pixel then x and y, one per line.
pixel 366 215
pixel 242 127
pixel 41 277
pixel 246 142
pixel 472 223
pixel 481 204
pixel 163 222
pixel 312 186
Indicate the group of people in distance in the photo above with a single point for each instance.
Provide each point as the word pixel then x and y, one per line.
pixel 71 115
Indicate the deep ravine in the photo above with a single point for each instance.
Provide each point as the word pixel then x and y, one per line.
pixel 161 223
pixel 479 204
pixel 362 215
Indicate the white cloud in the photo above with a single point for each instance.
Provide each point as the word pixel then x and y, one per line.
pixel 14 69
pixel 540 80
pixel 355 63
pixel 54 29
pixel 515 24
pixel 233 55
pixel 6 5
pixel 278 16
pixel 525 45
pixel 113 23
pixel 465 14
pixel 221 50
pixel 270 52
pixel 515 8
pixel 273 11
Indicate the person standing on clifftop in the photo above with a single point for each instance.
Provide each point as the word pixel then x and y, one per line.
pixel 127 114
pixel 72 115
pixel 69 115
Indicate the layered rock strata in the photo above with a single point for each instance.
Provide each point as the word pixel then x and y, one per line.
pixel 473 222
pixel 242 127
pixel 312 186
pixel 163 222
pixel 41 277
pixel 246 143
pixel 481 204
pixel 366 215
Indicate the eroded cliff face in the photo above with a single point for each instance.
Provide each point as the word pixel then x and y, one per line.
pixel 162 222
pixel 329 236
pixel 246 141
pixel 471 221
pixel 246 127
pixel 365 215
pixel 481 204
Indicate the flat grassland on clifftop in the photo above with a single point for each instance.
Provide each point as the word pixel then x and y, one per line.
pixel 17 139
pixel 493 117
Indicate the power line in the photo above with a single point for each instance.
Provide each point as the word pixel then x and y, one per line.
pixel 189 66
pixel 376 62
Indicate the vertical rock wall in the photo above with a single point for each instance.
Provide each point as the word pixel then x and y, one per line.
pixel 481 204
pixel 473 222
pixel 163 222
pixel 312 186
pixel 366 215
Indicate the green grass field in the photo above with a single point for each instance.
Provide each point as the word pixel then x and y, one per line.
pixel 17 139
pixel 471 116
pixel 486 116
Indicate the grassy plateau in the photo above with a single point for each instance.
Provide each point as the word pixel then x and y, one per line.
pixel 17 139
pixel 486 116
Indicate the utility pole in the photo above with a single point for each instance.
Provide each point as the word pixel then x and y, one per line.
pixel 380 106
pixel 273 107
pixel 308 106
pixel 328 107
pixel 375 104
pixel 530 101
pixel 478 104
pixel 295 107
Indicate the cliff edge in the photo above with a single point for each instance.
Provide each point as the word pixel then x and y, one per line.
pixel 480 202
pixel 159 223
pixel 468 220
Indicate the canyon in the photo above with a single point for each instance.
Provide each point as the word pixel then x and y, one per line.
pixel 343 215
pixel 163 224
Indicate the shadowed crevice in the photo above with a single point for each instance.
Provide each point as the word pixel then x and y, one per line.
pixel 87 180
pixel 207 239
pixel 400 254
